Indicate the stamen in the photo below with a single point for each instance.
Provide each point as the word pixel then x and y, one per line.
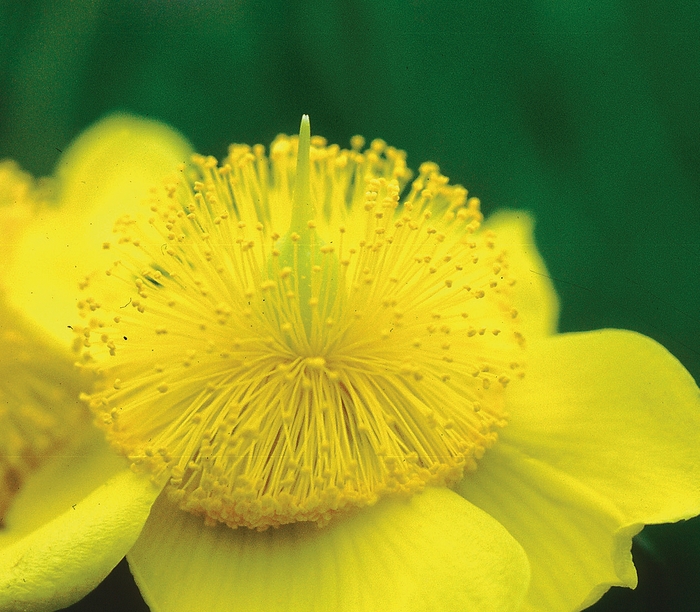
pixel 289 339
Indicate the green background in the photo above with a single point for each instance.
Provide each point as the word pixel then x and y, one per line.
pixel 586 114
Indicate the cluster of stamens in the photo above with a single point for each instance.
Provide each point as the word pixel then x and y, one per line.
pixel 282 337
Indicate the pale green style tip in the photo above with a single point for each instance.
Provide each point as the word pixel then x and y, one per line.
pixel 302 211
pixel 295 247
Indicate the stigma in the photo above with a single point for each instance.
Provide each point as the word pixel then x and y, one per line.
pixel 289 334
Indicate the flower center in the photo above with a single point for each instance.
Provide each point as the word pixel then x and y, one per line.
pixel 289 339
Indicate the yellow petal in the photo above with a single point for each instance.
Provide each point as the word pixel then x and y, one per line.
pixel 604 437
pixel 106 172
pixel 533 293
pixel 116 161
pixel 69 526
pixel 434 552
pixel 20 198
pixel 39 406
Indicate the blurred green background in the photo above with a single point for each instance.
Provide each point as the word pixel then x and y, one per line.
pixel 585 113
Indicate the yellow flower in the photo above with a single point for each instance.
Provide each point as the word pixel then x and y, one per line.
pixel 38 384
pixel 336 390
pixel 47 446
pixel 38 408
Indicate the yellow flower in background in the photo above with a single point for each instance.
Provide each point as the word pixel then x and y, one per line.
pixel 38 383
pixel 38 409
pixel 58 540
pixel 336 389
pixel 21 197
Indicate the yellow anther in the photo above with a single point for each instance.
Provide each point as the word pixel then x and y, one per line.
pixel 316 362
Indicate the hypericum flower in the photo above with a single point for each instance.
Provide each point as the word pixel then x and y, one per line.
pixel 306 341
pixel 282 346
pixel 21 197
pixel 38 408
pixel 38 411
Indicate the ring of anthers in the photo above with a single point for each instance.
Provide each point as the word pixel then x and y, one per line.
pixel 284 337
